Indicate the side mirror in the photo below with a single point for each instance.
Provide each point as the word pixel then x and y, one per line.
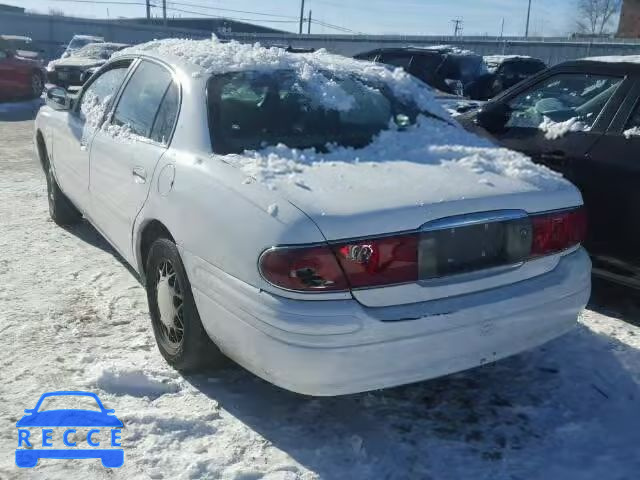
pixel 29 410
pixel 58 99
pixel 493 116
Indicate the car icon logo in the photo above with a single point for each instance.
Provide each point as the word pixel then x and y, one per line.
pixel 41 431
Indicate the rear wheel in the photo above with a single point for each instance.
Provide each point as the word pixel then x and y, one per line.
pixel 61 209
pixel 177 327
pixel 37 85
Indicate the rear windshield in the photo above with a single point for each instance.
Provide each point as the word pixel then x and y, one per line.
pixel 253 110
pixel 520 68
pixel 79 42
pixel 465 68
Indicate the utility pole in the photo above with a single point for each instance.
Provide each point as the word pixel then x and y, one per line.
pixel 148 10
pixel 309 24
pixel 526 33
pixel 502 28
pixel 301 17
pixel 164 12
pixel 457 26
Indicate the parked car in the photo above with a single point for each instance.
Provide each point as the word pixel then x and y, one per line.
pixel 24 47
pixel 79 41
pixel 446 68
pixel 72 70
pixel 509 70
pixel 382 245
pixel 581 118
pixel 19 77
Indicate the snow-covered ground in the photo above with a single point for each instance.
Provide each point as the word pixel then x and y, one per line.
pixel 73 317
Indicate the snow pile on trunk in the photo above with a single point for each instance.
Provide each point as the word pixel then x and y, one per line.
pixel 554 130
pixel 213 57
pixel 431 142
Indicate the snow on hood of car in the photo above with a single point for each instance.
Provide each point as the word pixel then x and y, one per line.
pixel 215 57
pixel 76 62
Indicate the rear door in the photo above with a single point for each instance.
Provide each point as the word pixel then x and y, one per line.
pixel 557 120
pixel 612 187
pixel 125 152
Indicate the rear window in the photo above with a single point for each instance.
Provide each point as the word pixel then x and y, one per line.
pixel 522 68
pixel 253 110
pixel 465 68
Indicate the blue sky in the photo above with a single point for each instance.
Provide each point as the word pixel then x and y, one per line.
pixel 549 17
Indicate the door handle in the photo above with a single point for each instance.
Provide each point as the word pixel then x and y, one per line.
pixel 139 174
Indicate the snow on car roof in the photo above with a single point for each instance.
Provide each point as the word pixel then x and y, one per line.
pixel 433 143
pixel 615 59
pixel 199 57
pixel 444 48
pixel 16 37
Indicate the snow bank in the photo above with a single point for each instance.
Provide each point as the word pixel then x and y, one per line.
pixel 554 130
pixel 134 382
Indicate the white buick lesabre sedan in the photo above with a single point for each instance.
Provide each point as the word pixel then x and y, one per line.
pixel 318 219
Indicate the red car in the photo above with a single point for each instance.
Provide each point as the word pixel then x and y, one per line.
pixel 19 77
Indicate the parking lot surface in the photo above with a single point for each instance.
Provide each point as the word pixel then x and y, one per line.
pixel 73 317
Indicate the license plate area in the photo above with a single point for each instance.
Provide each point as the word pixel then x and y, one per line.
pixel 464 245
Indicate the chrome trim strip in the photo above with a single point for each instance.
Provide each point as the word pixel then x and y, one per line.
pixel 469 219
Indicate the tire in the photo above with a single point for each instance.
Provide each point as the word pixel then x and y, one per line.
pixel 37 85
pixel 180 335
pixel 61 210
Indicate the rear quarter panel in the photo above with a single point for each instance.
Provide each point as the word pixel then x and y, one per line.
pixel 215 215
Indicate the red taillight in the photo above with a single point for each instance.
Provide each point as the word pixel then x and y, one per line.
pixel 381 261
pixel 398 259
pixel 303 269
pixel 554 232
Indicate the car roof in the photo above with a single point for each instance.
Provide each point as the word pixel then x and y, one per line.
pixel 621 64
pixel 423 50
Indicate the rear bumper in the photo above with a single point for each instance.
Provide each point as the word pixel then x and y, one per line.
pixel 340 347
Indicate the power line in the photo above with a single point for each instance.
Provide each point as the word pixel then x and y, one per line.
pixel 206 7
pixel 335 27
pixel 193 12
pixel 120 2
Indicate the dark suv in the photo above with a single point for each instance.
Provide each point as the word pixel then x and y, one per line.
pixel 448 69
pixel 582 119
